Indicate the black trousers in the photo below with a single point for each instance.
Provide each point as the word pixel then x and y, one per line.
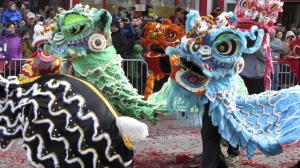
pixel 232 150
pixel 212 156
pixel 254 85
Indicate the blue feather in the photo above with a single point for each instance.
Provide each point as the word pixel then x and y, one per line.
pixel 191 20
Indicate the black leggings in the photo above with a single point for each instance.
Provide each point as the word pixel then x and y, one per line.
pixel 254 85
pixel 212 155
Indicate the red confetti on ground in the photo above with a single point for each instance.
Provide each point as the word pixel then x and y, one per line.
pixel 254 164
pixel 195 133
pixel 288 163
pixel 15 155
pixel 153 153
pixel 170 126
pixel 158 159
pixel 183 158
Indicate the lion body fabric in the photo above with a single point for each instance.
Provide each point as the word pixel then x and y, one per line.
pixel 64 122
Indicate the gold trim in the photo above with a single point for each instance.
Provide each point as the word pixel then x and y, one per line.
pixel 28 80
pixel 127 142
pixel 98 94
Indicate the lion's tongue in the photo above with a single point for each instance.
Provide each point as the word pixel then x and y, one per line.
pixel 153 54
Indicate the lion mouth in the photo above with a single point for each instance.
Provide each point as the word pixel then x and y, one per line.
pixel 45 56
pixel 191 77
pixel 193 67
pixel 249 24
pixel 78 42
pixel 155 50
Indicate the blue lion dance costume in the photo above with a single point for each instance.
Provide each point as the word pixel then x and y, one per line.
pixel 205 80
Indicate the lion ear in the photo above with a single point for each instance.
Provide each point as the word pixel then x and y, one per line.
pixel 103 20
pixel 254 40
pixel 191 20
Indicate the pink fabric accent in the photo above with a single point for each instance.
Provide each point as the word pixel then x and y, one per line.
pixel 2 64
pixel 269 65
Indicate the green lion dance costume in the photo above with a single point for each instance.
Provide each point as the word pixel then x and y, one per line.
pixel 83 36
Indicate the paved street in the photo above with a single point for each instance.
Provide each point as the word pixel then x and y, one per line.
pixel 170 145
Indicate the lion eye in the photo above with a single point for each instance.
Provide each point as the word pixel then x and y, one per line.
pixel 192 47
pixel 195 47
pixel 243 4
pixel 76 30
pixel 227 48
pixel 172 35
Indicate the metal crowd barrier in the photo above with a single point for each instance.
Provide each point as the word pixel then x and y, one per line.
pixel 136 70
pixel 12 67
pixel 285 77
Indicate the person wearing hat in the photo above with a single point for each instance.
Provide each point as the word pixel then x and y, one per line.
pixel 31 21
pixel 289 37
pixel 11 15
pixel 30 15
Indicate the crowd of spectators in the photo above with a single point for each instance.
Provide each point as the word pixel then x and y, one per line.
pixel 23 15
pixel 17 27
pixel 280 39
pixel 127 30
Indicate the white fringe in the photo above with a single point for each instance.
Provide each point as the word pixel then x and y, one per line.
pixel 134 129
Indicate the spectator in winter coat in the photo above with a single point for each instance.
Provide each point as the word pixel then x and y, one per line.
pixel 27 46
pixel 127 30
pixel 118 40
pixel 179 17
pixel 276 49
pixel 254 70
pixel 216 12
pixel 13 40
pixel 289 37
pixel 14 47
pixel 11 15
pixel 279 35
pixel 137 30
pixel 3 57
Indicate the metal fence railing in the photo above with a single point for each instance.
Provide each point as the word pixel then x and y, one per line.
pixel 286 78
pixel 11 67
pixel 136 71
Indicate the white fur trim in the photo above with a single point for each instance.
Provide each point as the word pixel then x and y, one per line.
pixel 134 129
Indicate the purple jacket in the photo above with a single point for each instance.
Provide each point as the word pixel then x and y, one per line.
pixel 14 45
